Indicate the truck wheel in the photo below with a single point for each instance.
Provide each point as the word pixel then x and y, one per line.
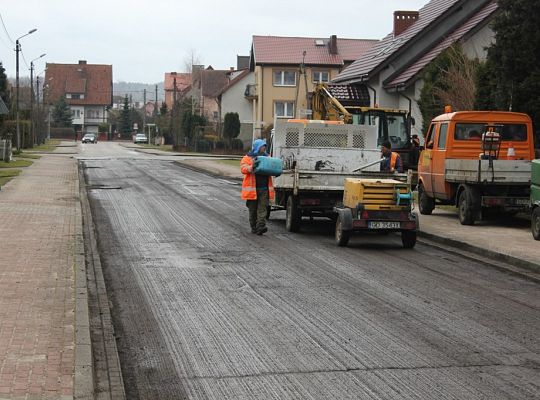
pixel 466 207
pixel 535 223
pixel 342 236
pixel 408 239
pixel 425 203
pixel 293 217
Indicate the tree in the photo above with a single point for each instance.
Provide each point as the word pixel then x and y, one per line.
pixel 61 114
pixel 163 109
pixel 125 119
pixel 448 80
pixel 3 92
pixel 231 126
pixel 190 124
pixel 510 77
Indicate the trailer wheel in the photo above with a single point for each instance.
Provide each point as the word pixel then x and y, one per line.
pixel 535 223
pixel 293 217
pixel 408 239
pixel 342 236
pixel 425 203
pixel 466 207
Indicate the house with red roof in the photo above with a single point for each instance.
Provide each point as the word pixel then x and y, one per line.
pixel 176 82
pixel 88 90
pixel 286 70
pixel 393 67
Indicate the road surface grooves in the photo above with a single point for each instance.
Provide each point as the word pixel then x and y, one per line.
pixel 206 310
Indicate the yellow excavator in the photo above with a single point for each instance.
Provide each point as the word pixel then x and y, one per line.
pixel 350 104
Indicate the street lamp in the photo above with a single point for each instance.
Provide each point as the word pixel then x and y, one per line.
pixel 17 49
pixel 32 96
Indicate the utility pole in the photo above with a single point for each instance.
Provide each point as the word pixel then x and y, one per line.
pixel 144 116
pixel 156 105
pixel 17 49
pixel 32 119
pixel 37 105
pixel 173 115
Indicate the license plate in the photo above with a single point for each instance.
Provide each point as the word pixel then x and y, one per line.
pixel 383 225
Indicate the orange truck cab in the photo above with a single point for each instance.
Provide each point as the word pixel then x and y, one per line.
pixel 476 160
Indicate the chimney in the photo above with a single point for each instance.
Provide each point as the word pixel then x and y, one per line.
pixel 404 19
pixel 332 45
pixel 231 69
pixel 82 62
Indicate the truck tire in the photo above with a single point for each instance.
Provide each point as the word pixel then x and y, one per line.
pixel 535 223
pixel 342 236
pixel 293 216
pixel 425 203
pixel 408 239
pixel 467 207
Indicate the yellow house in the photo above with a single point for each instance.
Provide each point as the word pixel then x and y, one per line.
pixel 287 68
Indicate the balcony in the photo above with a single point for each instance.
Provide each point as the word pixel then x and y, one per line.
pixel 251 92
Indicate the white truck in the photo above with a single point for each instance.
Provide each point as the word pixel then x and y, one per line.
pixel 317 157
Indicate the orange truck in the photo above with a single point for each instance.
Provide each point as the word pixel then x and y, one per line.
pixel 479 161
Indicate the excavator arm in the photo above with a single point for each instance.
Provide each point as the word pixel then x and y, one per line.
pixel 327 107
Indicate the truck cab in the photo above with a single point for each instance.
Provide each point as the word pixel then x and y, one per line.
pixel 476 160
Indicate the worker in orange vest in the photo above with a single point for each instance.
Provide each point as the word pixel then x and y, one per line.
pixel 257 189
pixel 392 162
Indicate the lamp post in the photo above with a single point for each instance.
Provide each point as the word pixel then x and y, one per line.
pixel 17 49
pixel 32 97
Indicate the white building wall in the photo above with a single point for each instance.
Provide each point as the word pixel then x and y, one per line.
pixel 476 45
pixel 233 100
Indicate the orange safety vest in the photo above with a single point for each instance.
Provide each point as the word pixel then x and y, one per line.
pixel 249 186
pixel 393 159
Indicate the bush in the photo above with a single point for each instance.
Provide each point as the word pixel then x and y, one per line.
pixel 221 144
pixel 237 144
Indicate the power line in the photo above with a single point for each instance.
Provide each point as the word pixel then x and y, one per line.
pixel 5 29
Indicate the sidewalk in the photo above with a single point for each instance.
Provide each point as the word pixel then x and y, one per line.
pixel 509 240
pixel 44 340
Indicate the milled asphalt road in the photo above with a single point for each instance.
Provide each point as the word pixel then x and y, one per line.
pixel 203 309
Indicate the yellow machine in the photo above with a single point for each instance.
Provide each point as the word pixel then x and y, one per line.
pixel 376 205
pixel 350 104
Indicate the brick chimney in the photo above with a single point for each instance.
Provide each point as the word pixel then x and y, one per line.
pixel 332 45
pixel 82 62
pixel 404 19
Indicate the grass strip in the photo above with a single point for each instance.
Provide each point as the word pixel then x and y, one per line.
pixel 16 164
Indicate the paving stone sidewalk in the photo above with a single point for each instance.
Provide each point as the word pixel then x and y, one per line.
pixel 39 255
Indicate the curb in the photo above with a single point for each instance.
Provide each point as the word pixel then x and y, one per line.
pixel 523 267
pixel 212 173
pixel 83 387
pixel 175 154
pixel 108 380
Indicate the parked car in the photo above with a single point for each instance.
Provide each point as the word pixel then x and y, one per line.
pixel 89 138
pixel 140 138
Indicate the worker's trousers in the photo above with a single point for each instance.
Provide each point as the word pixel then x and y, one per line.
pixel 257 209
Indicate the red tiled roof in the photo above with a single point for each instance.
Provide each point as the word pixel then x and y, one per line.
pixel 289 50
pixel 382 50
pixel 183 81
pixel 92 80
pixel 212 81
pixel 480 17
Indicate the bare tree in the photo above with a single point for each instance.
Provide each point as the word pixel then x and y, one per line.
pixel 458 86
pixel 190 59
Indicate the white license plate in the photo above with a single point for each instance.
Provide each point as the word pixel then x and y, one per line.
pixel 383 225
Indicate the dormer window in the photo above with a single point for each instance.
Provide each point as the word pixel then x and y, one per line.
pixel 75 96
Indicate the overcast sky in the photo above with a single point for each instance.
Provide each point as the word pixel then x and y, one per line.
pixel 145 39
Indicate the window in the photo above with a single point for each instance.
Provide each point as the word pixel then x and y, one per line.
pixel 510 132
pixel 320 76
pixel 76 113
pixel 284 109
pixel 75 96
pixel 442 137
pixel 284 78
pixel 429 136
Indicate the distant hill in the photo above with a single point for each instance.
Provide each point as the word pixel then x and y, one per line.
pixel 136 90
